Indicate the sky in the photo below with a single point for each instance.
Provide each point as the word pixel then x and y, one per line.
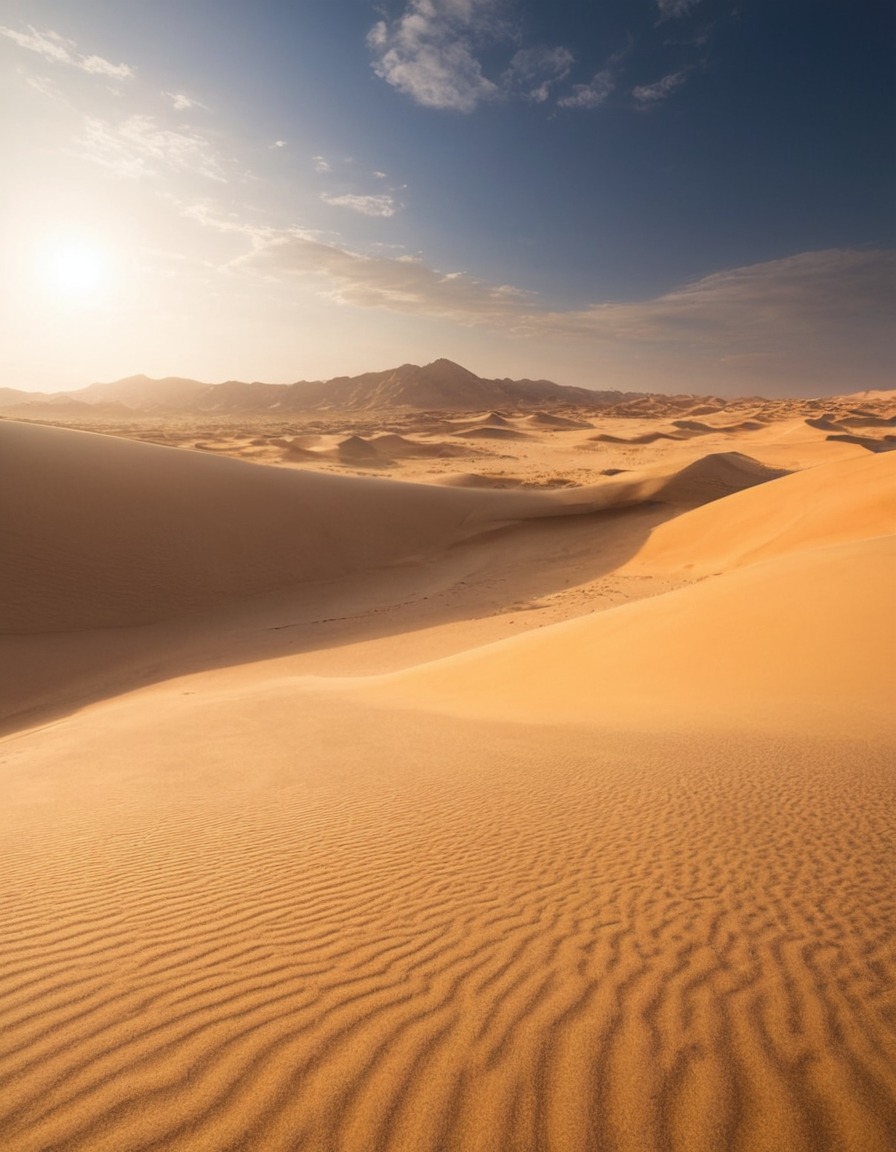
pixel 658 195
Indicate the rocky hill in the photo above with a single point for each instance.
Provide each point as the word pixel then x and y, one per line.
pixel 440 386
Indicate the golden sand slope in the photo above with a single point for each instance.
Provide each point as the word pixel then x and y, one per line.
pixel 625 884
pixel 804 643
pixel 833 503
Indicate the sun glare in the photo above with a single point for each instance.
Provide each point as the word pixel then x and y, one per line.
pixel 76 267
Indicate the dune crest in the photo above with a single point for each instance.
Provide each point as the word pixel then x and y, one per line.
pixel 833 503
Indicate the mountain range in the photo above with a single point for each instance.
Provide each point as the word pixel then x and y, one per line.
pixel 441 385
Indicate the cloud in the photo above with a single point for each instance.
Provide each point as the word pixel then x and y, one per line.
pixel 429 52
pixel 382 205
pixel 402 284
pixel 817 319
pixel 649 94
pixel 58 50
pixel 434 53
pixel 819 316
pixel 671 9
pixel 181 102
pixel 139 146
pixel 321 164
pixel 277 144
pixel 810 323
pixel 532 71
pixel 590 95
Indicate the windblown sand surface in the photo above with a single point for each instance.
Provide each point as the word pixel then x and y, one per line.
pixel 544 802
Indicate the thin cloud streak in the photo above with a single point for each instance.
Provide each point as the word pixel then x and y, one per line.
pixel 591 95
pixel 182 103
pixel 648 95
pixel 139 147
pixel 758 307
pixel 673 9
pixel 57 50
pixel 533 71
pixel 403 284
pixel 382 205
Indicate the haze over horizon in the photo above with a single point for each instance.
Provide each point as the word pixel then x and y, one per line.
pixel 660 195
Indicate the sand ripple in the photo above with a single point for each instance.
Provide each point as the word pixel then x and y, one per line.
pixel 659 945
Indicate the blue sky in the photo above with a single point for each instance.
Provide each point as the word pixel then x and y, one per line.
pixel 676 195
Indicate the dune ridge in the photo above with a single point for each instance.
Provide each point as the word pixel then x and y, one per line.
pixel 844 501
pixel 164 532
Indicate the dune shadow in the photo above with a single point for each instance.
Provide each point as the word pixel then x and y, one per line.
pixel 510 568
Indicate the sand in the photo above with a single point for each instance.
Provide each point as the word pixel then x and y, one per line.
pixel 520 806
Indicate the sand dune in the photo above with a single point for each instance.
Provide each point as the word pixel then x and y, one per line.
pixel 620 882
pixel 859 419
pixel 549 420
pixel 109 531
pixel 870 443
pixel 713 476
pixel 490 431
pixel 112 532
pixel 640 438
pixel 682 430
pixel 388 448
pixel 699 657
pixel 845 501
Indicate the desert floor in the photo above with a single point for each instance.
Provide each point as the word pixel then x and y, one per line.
pixel 483 782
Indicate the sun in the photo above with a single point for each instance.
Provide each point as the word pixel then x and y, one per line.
pixel 76 268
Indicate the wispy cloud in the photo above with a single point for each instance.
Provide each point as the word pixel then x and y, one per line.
pixel 815 317
pixel 429 52
pixel 446 54
pixel 321 164
pixel 533 71
pixel 139 146
pixel 55 48
pixel 403 284
pixel 650 94
pixel 382 205
pixel 182 103
pixel 768 307
pixel 800 309
pixel 670 9
pixel 590 95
